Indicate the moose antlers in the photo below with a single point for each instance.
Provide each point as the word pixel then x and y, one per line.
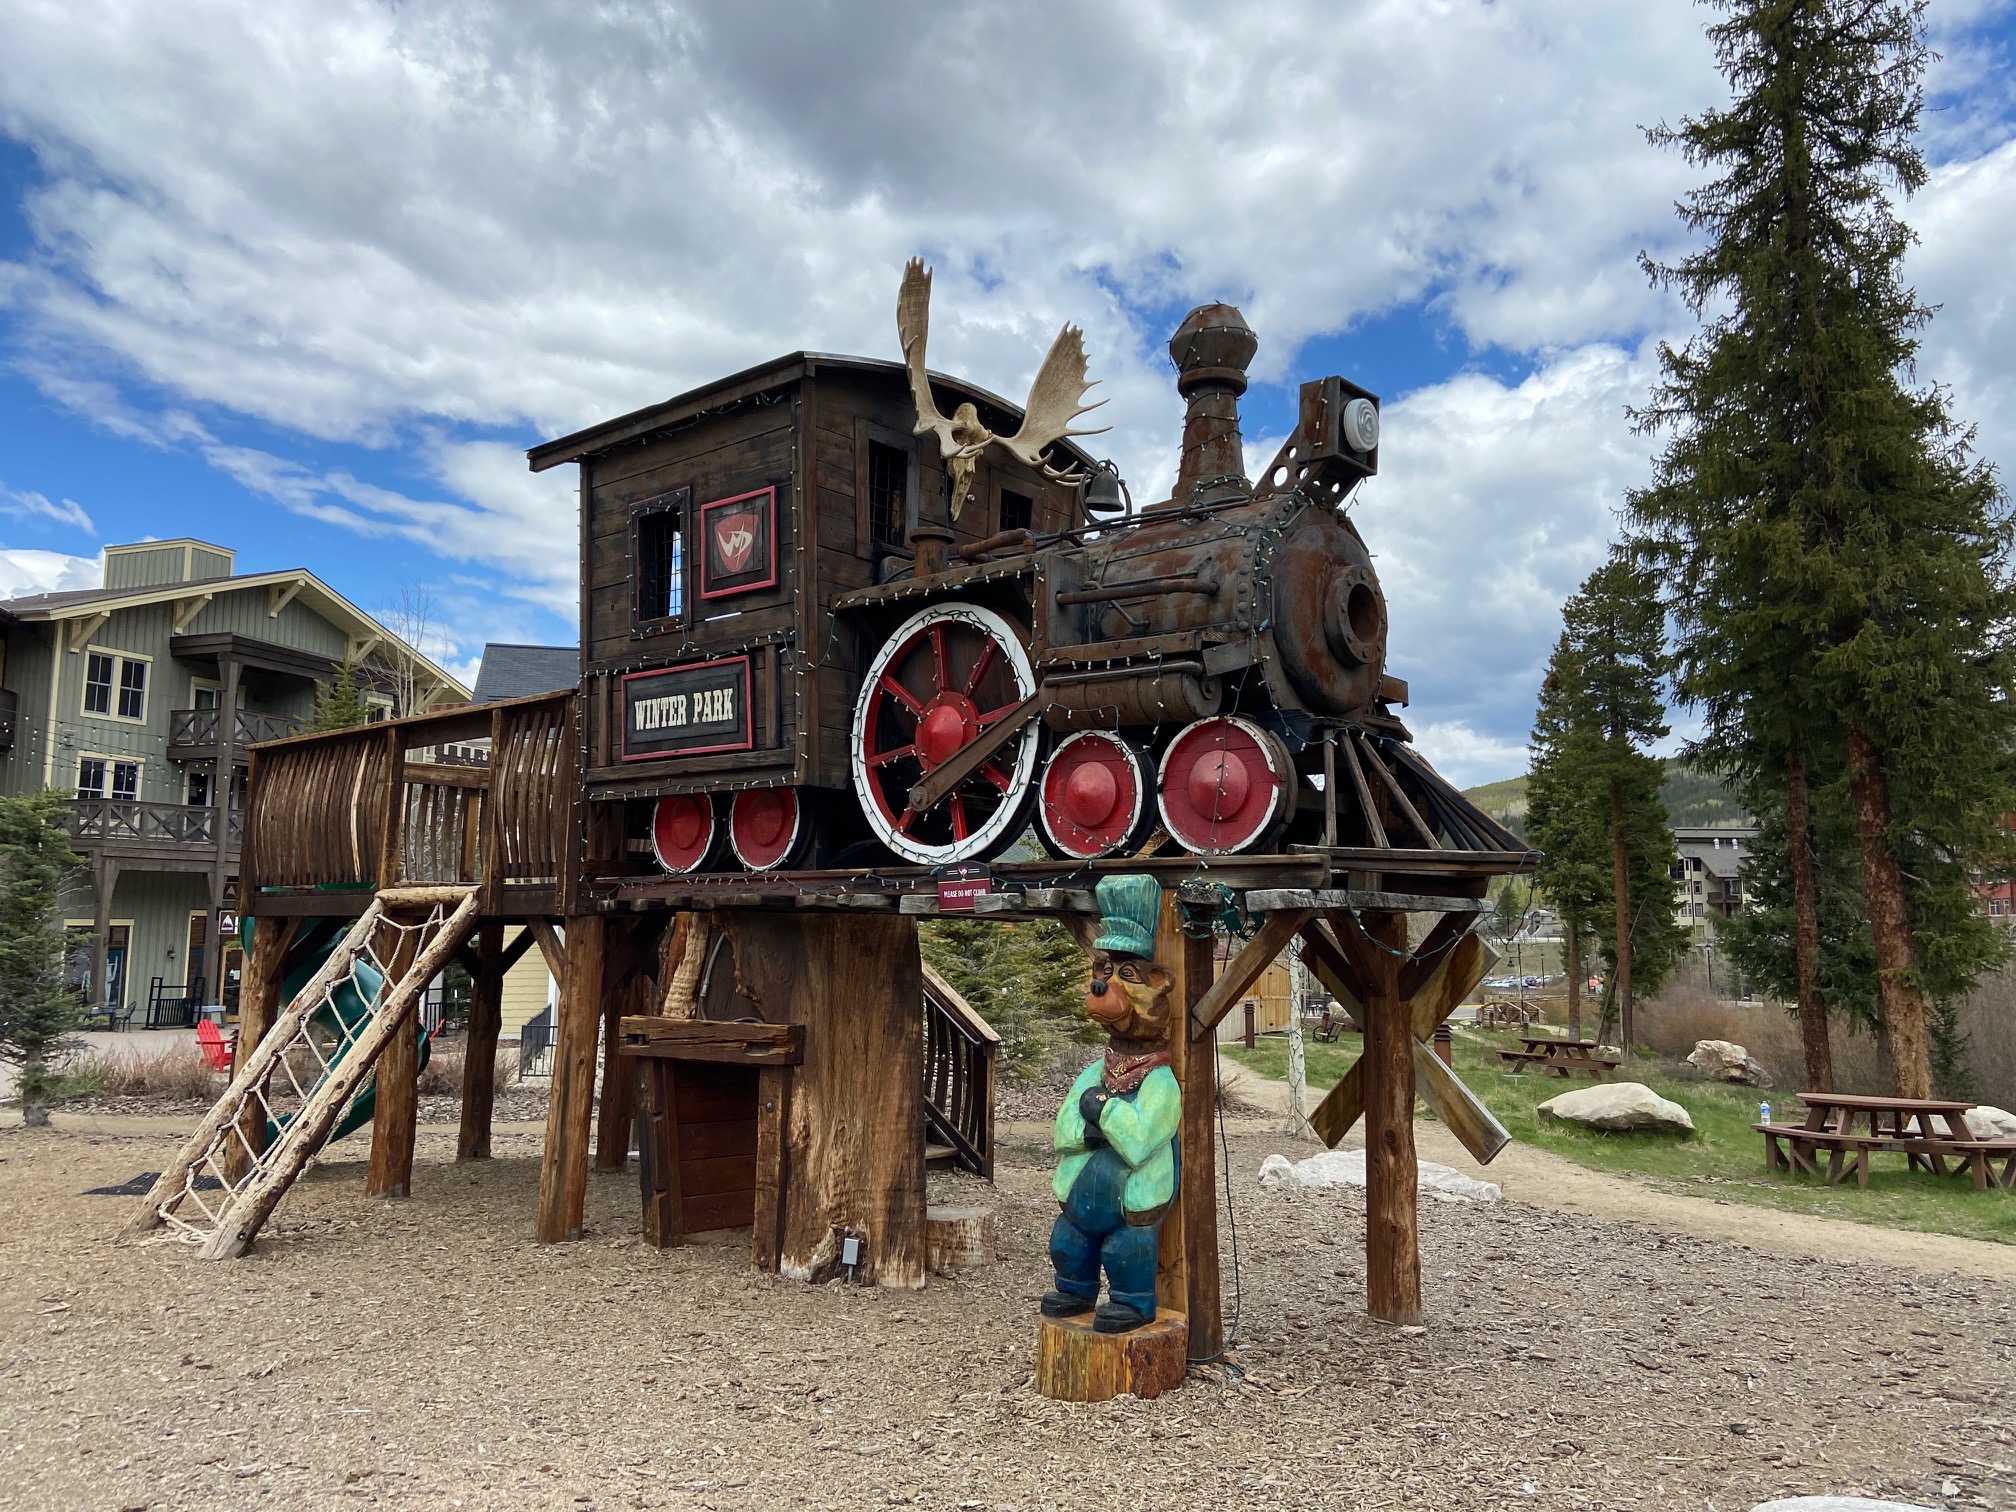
pixel 1056 398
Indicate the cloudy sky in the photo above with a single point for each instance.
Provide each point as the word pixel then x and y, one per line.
pixel 305 277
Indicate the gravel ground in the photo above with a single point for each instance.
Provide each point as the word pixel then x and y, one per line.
pixel 427 1354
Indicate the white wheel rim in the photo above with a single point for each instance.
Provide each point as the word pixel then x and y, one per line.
pixel 1009 646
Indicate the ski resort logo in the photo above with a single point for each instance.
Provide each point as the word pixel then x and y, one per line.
pixel 735 539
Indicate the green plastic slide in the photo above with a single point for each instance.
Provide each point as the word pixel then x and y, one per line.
pixel 342 1016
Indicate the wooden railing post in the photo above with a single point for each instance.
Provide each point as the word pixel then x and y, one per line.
pixel 395 1117
pixel 392 836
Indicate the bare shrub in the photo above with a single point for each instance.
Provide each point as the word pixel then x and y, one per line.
pixel 443 1076
pixel 1685 1012
pixel 178 1072
pixel 1680 1017
pixel 1986 1022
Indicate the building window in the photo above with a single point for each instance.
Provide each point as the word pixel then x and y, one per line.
pixel 115 686
pixel 108 777
pixel 378 707
pixel 888 482
pixel 1018 510
pixel 204 695
pixel 658 550
pixel 199 790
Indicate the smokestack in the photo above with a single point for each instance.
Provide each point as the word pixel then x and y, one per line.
pixel 1211 349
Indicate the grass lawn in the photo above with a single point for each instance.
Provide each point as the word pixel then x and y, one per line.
pixel 1724 1159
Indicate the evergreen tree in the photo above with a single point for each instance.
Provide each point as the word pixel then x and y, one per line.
pixel 339 703
pixel 37 1006
pixel 1834 557
pixel 1594 799
pixel 1567 815
pixel 1027 979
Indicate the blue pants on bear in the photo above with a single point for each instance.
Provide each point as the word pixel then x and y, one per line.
pixel 1093 1231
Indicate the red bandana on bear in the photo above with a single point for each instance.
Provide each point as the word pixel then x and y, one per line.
pixel 1125 1073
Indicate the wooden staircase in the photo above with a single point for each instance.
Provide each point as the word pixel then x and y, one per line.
pixel 959 1051
pixel 304 1072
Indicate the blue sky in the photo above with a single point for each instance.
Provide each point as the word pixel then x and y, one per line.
pixel 306 279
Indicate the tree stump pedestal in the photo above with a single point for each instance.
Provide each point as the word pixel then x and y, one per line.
pixel 1076 1364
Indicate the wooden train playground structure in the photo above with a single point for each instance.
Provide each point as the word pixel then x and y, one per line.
pixel 850 629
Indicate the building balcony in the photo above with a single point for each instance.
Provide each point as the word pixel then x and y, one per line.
pixel 138 830
pixel 10 707
pixel 195 734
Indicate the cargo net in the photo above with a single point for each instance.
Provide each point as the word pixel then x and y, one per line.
pixel 300 1084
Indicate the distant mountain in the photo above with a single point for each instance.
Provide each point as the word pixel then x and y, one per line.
pixel 1691 797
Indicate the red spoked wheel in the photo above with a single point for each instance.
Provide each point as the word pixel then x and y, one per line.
pixel 768 828
pixel 1225 785
pixel 683 832
pixel 1094 797
pixel 947 676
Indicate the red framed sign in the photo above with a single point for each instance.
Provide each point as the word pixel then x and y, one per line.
pixel 687 711
pixel 738 544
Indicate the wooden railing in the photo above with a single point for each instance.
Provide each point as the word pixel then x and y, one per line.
pixel 959 1049
pixel 353 808
pixel 116 821
pixel 202 727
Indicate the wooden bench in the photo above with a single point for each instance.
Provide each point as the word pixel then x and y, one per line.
pixel 1850 1152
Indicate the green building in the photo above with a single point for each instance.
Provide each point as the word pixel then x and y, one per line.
pixel 139 698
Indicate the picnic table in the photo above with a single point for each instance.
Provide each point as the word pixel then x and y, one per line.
pixel 1563 1057
pixel 1928 1132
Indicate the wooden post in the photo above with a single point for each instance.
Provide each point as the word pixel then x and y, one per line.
pixel 570 1112
pixel 853 1141
pixel 658 1150
pixel 773 1170
pixel 395 1116
pixel 479 1053
pixel 1392 1175
pixel 1198 1071
pixel 258 1006
pixel 618 1108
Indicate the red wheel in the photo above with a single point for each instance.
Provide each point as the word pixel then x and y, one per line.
pixel 767 827
pixel 1094 796
pixel 683 832
pixel 1224 785
pixel 948 674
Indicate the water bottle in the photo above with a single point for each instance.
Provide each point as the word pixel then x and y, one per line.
pixel 1763 1112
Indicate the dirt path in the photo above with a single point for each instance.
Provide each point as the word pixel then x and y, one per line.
pixel 1546 1180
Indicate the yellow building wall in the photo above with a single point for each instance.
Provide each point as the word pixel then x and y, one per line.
pixel 1274 995
pixel 528 987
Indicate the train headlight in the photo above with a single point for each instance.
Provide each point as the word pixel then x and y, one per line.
pixel 1361 425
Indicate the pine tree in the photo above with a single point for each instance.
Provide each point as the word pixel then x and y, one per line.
pixel 1835 559
pixel 1567 814
pixel 339 703
pixel 1593 800
pixel 1027 979
pixel 37 1006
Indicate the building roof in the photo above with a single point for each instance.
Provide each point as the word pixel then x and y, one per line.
pixel 90 604
pixel 744 385
pixel 513 671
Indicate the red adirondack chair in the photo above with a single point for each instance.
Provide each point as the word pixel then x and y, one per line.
pixel 215 1045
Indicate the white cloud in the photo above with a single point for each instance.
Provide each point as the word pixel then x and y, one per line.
pixel 1467 758
pixel 410 225
pixel 1494 501
pixel 24 571
pixel 25 504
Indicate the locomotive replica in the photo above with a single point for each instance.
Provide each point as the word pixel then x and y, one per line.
pixel 813 638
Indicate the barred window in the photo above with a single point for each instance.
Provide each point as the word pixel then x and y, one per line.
pixel 888 482
pixel 1018 510
pixel 658 551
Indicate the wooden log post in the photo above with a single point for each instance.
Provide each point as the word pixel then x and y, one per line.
pixel 1194 1058
pixel 395 1116
pixel 851 1140
pixel 258 1006
pixel 570 1112
pixel 479 1055
pixel 617 1110
pixel 1392 1173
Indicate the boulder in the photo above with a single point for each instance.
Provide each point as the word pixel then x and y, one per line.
pixel 1346 1168
pixel 1619 1107
pixel 1985 1122
pixel 1729 1061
